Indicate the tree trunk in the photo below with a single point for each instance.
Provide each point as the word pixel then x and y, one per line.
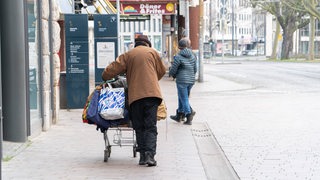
pixel 287 44
pixel 311 37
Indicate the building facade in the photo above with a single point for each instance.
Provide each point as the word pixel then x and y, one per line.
pixel 245 28
pixel 30 44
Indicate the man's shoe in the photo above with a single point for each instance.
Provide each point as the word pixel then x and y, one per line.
pixel 142 160
pixel 150 159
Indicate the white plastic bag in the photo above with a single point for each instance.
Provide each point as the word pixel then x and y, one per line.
pixel 111 103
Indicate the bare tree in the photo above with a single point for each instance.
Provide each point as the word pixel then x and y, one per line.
pixel 311 7
pixel 290 17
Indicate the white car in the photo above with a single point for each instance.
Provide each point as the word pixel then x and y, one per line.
pixel 252 52
pixel 237 52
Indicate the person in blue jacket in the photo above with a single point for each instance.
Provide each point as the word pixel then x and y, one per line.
pixel 183 69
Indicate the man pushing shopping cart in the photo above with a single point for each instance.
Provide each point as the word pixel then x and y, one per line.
pixel 143 68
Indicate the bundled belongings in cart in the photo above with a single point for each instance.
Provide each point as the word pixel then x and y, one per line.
pixel 107 108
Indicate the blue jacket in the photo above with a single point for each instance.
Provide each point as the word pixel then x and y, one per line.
pixel 184 67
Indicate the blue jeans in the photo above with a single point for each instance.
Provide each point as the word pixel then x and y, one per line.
pixel 183 98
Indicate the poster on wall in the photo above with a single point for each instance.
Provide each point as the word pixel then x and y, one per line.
pixel 105 42
pixel 105 53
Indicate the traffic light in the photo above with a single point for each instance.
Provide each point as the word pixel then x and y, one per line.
pixel 218 24
pixel 223 2
pixel 211 41
pixel 89 2
pixel 77 6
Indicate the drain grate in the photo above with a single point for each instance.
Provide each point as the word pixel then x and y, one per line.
pixel 201 132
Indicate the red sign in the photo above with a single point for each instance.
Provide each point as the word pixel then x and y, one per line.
pixel 145 8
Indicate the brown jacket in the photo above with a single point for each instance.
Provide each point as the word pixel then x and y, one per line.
pixel 143 68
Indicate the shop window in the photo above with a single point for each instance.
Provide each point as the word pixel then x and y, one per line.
pixel 34 83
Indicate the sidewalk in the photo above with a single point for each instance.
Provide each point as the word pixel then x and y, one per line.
pixel 74 150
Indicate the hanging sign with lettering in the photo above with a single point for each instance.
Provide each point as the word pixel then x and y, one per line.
pixel 145 8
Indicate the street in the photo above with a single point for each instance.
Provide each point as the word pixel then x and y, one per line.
pixel 268 124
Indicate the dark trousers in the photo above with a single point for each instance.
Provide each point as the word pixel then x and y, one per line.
pixel 143 114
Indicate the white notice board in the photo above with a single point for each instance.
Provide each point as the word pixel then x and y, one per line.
pixel 105 53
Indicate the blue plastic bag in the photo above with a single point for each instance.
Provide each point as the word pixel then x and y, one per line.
pixel 111 103
pixel 94 117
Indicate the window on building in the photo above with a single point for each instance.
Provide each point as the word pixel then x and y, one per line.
pixel 139 26
pixel 143 27
pixel 304 47
pixel 317 28
pixel 316 47
pixel 33 61
pixel 129 27
pixel 136 26
pixel 304 31
pixel 157 43
pixel 244 3
pixel 160 24
pixel 124 27
pixel 148 25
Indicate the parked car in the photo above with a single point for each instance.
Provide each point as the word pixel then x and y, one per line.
pixel 237 52
pixel 252 52
pixel 226 52
pixel 245 52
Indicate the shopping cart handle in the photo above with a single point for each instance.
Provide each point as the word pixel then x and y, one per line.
pixel 111 80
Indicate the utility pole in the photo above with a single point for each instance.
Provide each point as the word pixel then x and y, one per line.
pixel 201 24
pixel 118 26
pixel 223 11
pixel 187 26
pixel 211 24
pixel 232 27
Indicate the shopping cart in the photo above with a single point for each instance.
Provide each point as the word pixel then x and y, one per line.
pixel 115 132
pixel 123 135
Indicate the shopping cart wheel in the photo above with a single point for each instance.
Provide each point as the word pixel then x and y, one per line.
pixel 109 149
pixel 106 155
pixel 134 151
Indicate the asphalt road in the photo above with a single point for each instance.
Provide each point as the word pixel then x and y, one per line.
pixel 268 123
pixel 271 76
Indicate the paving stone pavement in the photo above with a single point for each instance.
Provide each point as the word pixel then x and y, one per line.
pixel 272 136
pixel 74 150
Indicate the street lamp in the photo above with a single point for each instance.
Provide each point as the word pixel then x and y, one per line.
pixel 223 11
pixel 200 78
